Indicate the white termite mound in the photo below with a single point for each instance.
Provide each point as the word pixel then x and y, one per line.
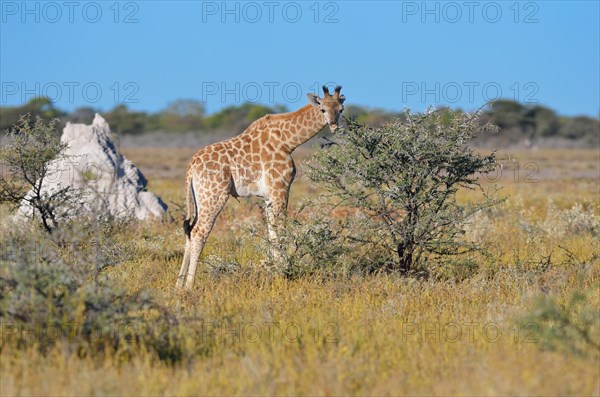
pixel 108 183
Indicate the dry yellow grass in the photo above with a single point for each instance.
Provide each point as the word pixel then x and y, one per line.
pixel 368 335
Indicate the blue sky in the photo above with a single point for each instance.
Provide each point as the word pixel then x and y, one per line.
pixel 387 54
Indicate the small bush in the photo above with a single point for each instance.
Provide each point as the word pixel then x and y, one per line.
pixel 218 265
pixel 572 327
pixel 53 290
pixel 575 221
pixel 25 164
pixel 314 245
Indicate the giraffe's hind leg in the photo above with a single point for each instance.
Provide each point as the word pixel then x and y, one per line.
pixel 196 246
pixel 209 209
pixel 185 265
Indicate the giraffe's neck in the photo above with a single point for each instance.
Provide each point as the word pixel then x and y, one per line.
pixel 297 127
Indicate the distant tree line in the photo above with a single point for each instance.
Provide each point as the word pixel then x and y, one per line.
pixel 518 122
pixel 536 122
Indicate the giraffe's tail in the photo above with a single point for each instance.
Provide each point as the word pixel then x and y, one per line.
pixel 188 223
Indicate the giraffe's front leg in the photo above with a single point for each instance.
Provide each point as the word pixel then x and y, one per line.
pixel 275 211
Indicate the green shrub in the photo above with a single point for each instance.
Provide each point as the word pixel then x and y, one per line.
pixel 53 289
pixel 400 181
pixel 571 327
pixel 314 245
pixel 25 167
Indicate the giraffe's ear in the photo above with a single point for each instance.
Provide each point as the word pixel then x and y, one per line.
pixel 313 99
pixel 342 98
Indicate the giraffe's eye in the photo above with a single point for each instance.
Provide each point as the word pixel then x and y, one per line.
pixel 322 110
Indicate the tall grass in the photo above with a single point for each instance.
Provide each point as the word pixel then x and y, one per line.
pixel 504 326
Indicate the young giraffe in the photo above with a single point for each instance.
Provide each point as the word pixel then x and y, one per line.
pixel 257 162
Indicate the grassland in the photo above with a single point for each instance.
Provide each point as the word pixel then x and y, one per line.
pixel 466 333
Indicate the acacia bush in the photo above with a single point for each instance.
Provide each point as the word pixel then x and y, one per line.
pixel 24 167
pixel 398 185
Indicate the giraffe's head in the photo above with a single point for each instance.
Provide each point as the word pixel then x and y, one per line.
pixel 331 106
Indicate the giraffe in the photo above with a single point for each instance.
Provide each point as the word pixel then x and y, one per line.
pixel 257 162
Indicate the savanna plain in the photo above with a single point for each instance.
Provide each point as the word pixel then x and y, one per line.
pixel 522 319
